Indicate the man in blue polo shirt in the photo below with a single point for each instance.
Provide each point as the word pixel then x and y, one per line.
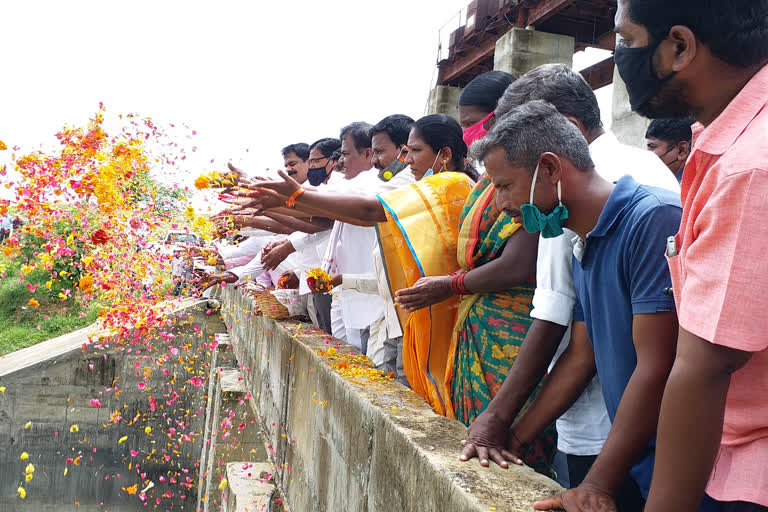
pixel 625 327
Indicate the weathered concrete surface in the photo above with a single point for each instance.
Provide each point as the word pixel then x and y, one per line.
pixel 249 489
pixel 51 385
pixel 521 50
pixel 364 447
pixel 232 435
pixel 444 99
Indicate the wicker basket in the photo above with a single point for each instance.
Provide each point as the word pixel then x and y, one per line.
pixel 269 305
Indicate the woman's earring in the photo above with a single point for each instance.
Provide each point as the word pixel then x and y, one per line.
pixel 445 165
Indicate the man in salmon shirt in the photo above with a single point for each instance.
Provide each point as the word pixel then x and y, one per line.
pixel 708 59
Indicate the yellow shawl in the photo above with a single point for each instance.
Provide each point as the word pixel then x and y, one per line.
pixel 419 239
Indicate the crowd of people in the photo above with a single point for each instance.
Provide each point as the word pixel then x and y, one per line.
pixel 585 307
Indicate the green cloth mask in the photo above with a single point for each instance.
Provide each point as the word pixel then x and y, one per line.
pixel 393 169
pixel 534 220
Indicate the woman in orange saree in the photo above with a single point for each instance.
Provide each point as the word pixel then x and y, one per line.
pixel 419 239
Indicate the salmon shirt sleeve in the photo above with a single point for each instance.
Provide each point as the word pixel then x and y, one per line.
pixel 725 286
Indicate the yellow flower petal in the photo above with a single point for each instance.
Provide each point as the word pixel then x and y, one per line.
pixel 74 429
pixel 24 456
pixel 22 493
pixel 122 440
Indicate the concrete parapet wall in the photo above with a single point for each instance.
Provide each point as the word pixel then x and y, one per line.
pixel 359 446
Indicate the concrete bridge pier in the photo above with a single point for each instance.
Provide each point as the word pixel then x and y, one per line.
pixel 517 52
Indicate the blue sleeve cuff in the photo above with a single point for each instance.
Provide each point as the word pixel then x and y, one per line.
pixel 654 306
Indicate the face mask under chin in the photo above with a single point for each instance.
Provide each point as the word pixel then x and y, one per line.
pixel 534 220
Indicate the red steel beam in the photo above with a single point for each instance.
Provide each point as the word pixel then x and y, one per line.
pixel 600 74
pixel 470 56
pixel 546 9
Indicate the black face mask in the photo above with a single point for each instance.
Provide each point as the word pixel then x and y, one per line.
pixel 635 67
pixel 316 176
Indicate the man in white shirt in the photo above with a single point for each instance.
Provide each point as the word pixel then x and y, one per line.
pixel 389 138
pixel 582 430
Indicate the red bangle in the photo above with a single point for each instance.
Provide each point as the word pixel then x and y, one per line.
pixel 454 286
pixel 462 288
pixel 291 201
pixel 457 284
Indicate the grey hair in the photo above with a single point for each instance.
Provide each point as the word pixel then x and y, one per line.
pixel 531 130
pixel 559 85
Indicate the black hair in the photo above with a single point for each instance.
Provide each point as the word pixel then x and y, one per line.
pixel 532 129
pixel 485 90
pixel 336 155
pixel 736 31
pixel 397 126
pixel 360 133
pixel 326 146
pixel 439 131
pixel 300 149
pixel 672 130
pixel 558 85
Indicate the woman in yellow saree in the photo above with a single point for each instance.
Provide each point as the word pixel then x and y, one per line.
pixel 495 283
pixel 497 260
pixel 419 239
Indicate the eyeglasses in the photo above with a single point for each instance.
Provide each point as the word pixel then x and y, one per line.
pixel 316 162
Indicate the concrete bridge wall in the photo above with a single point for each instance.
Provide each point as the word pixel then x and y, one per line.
pixel 343 445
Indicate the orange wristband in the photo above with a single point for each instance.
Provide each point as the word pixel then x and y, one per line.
pixel 291 201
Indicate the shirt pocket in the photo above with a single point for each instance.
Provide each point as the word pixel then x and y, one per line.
pixel 675 264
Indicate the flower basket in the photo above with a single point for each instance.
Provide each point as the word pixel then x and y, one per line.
pixel 268 304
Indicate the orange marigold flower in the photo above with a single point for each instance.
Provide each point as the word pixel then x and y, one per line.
pixel 86 283
pixel 202 182
pixel 3 147
pixel 33 303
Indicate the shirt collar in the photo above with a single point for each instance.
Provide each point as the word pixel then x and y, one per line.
pixel 716 138
pixel 622 194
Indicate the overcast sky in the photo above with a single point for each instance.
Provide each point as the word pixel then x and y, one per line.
pixel 244 74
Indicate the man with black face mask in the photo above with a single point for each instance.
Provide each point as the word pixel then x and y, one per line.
pixel 321 161
pixel 709 59
pixel 670 140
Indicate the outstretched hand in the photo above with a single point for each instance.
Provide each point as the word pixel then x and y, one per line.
pixel 274 255
pixel 286 188
pixel 264 199
pixel 490 439
pixel 240 178
pixel 579 499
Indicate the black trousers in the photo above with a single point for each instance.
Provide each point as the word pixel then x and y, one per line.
pixel 629 497
pixel 322 302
